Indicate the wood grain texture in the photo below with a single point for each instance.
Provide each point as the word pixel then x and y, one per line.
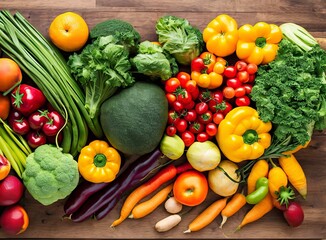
pixel 47 222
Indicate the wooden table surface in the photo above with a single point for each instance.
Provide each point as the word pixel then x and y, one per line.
pixel 46 222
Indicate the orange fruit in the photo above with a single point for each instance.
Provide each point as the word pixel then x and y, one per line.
pixel 10 74
pixel 69 31
pixel 4 106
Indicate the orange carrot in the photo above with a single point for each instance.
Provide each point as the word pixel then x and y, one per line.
pixel 207 216
pixel 258 211
pixel 295 173
pixel 260 169
pixel 147 188
pixel 147 207
pixel 276 179
pixel 234 205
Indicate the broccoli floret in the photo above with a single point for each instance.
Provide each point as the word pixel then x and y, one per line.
pixel 126 34
pixel 50 174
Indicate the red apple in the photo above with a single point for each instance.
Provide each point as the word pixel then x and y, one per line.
pixel 11 190
pixel 14 220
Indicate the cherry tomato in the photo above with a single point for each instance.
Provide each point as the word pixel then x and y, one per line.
pixel 219 67
pixel 230 72
pixel 190 115
pixel 233 82
pixel 37 119
pixel 218 117
pixel 189 105
pixel 242 101
pixel 181 125
pixel 188 138
pixel 228 108
pixel 252 78
pixel 243 76
pixel 211 129
pixel 177 106
pixel 20 126
pixel 196 127
pixel 54 124
pixel 35 139
pixel 183 77
pixel 240 66
pixel 195 93
pixel 191 86
pixel 190 188
pixel 171 130
pixel 248 88
pixel 183 96
pixel 173 117
pixel 171 98
pixel 171 85
pixel 206 117
pixel 201 107
pixel 239 92
pixel 202 137
pixel 252 68
pixel 197 64
pixel 228 92
pixel 205 95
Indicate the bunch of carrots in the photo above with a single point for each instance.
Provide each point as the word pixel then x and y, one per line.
pixel 287 171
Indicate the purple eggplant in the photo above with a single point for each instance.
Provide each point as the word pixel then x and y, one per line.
pixel 112 193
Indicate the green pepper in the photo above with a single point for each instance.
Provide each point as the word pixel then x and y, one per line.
pixel 260 192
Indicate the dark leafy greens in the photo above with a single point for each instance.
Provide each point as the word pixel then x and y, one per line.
pixel 290 92
pixel 101 68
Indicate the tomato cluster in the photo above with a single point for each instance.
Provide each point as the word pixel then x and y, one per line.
pixel 194 111
pixel 31 117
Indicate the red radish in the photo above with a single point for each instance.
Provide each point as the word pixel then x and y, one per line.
pixel 14 220
pixel 293 214
pixel 11 190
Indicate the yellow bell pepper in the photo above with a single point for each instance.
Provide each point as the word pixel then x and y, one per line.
pixel 258 44
pixel 242 135
pixel 98 162
pixel 221 35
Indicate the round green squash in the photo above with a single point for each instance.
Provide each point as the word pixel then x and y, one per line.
pixel 134 119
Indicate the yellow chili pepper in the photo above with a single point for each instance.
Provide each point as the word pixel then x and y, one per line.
pixel 98 162
pixel 221 35
pixel 242 135
pixel 258 44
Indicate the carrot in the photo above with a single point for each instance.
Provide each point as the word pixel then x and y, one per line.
pixel 258 211
pixel 147 207
pixel 234 205
pixel 4 106
pixel 147 188
pixel 260 169
pixel 207 216
pixel 295 174
pixel 276 179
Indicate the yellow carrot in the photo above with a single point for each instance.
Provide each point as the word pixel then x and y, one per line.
pixel 260 169
pixel 258 211
pixel 295 173
pixel 234 205
pixel 207 216
pixel 276 179
pixel 147 207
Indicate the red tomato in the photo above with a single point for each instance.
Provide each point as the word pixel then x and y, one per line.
pixel 228 92
pixel 171 98
pixel 181 125
pixel 248 88
pixel 190 115
pixel 190 188
pixel 189 105
pixel 173 117
pixel 252 78
pixel 241 66
pixel 171 130
pixel 242 101
pixel 191 86
pixel 53 124
pixel 196 127
pixel 227 109
pixel 240 91
pixel 177 106
pixel 172 84
pixel 233 82
pixel 206 117
pixel 183 77
pixel 211 129
pixel 202 137
pixel 35 139
pixel 230 72
pixel 20 126
pixel 197 64
pixel 252 68
pixel 183 96
pixel 218 117
pixel 195 93
pixel 188 138
pixel 243 76
pixel 201 107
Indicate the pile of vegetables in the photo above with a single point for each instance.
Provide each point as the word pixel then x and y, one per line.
pixel 230 125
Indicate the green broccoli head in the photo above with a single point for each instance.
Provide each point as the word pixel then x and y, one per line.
pixel 50 174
